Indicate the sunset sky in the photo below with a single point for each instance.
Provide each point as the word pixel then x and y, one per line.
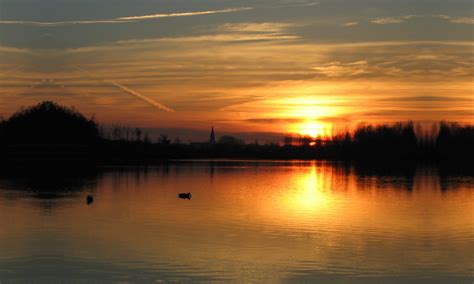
pixel 300 66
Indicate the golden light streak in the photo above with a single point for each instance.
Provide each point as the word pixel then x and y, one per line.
pixel 310 196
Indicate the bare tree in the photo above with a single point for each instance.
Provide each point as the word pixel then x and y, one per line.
pixel 138 133
pixel 117 132
pixel 163 140
pixel 146 138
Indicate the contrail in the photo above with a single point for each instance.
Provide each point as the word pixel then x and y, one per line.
pixel 183 14
pixel 12 70
pixel 129 91
pixel 55 24
pixel 122 19
pixel 138 95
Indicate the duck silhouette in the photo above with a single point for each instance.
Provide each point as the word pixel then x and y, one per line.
pixel 185 195
pixel 89 199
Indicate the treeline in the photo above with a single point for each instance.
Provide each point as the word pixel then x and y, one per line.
pixel 400 141
pixel 49 130
pixel 395 142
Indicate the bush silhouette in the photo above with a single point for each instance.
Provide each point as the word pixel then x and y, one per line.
pixel 49 123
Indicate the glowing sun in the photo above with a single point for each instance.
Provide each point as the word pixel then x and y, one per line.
pixel 312 128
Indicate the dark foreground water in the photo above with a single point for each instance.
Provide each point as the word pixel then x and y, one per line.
pixel 246 222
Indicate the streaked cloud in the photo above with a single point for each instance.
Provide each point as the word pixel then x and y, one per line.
pixel 227 33
pixel 458 20
pixel 9 49
pixel 401 19
pixel 297 3
pixel 463 20
pixel 266 27
pixel 339 69
pixel 429 99
pixel 350 24
pixel 235 37
pixel 391 20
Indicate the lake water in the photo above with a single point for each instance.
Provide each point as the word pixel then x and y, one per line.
pixel 247 221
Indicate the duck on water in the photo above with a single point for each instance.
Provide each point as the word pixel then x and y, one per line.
pixel 185 195
pixel 89 199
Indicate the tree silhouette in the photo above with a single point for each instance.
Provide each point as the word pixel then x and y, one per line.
pixel 49 123
pixel 454 140
pixel 398 140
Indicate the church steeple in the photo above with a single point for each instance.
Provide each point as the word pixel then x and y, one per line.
pixel 212 138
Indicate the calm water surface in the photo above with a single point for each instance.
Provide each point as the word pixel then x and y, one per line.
pixel 246 222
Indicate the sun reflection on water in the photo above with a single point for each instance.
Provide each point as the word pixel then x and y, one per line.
pixel 310 195
pixel 304 196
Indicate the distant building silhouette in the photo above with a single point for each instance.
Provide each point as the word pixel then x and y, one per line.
pixel 205 144
pixel 212 139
